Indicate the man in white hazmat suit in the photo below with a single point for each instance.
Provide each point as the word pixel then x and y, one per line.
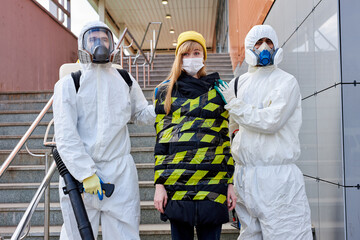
pixel 272 202
pixel 93 139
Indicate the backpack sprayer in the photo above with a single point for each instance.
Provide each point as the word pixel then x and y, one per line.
pixel 74 188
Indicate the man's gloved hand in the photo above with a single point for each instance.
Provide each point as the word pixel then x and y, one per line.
pixel 93 185
pixel 226 93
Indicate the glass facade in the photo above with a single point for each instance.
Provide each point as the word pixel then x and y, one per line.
pixel 319 39
pixel 309 33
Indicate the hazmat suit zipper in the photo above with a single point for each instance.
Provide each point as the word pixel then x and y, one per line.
pixel 99 115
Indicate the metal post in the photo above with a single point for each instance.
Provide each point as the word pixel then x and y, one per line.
pixel 148 69
pixel 33 204
pixel 130 64
pixel 47 203
pixel 144 73
pixel 151 50
pixel 137 71
pixel 148 75
pixel 154 38
pixel 122 56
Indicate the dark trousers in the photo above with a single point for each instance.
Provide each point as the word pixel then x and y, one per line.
pixel 184 231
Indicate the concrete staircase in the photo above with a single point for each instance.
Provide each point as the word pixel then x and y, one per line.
pixel 215 62
pixel 20 182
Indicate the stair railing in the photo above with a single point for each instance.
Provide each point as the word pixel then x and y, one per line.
pixel 24 138
pixel 148 57
pixel 24 223
pixel 153 42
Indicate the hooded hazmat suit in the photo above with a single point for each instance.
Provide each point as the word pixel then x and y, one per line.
pixel 272 202
pixel 92 137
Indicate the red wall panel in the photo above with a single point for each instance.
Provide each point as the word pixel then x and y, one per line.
pixel 33 45
pixel 243 15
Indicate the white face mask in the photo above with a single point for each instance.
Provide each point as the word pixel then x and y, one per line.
pixel 264 46
pixel 192 65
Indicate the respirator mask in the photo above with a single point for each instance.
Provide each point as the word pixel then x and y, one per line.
pixel 98 46
pixel 263 56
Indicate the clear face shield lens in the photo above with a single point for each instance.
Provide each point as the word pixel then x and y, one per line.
pixel 96 37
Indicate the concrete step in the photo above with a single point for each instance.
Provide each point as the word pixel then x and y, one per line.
pixel 162 75
pixel 22 104
pixel 11 213
pixel 154 76
pixel 209 54
pixel 172 57
pixel 23 116
pixel 20 128
pixel 36 141
pixel 147 232
pixel 41 96
pixel 166 66
pixel 36 173
pixel 14 105
pixel 216 64
pixel 26 95
pixel 155 83
pixel 24 192
pixel 140 155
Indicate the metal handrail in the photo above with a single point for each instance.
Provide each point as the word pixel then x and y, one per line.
pixel 22 141
pixel 156 40
pixel 126 31
pixel 148 59
pixel 43 188
pixel 24 222
pixel 33 204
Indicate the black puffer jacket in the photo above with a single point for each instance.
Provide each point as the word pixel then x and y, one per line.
pixel 192 151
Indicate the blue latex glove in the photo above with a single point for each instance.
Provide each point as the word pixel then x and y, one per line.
pixel 226 93
pixel 93 185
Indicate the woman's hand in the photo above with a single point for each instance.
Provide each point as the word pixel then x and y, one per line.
pixel 231 197
pixel 160 198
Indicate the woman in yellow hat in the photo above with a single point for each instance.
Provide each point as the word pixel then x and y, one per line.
pixel 193 164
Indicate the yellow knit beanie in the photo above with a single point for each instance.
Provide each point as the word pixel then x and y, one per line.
pixel 191 36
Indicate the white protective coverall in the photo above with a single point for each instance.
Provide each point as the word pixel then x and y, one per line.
pixel 92 137
pixel 272 202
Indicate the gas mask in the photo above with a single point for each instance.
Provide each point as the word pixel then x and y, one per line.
pixel 98 46
pixel 263 56
pixel 192 65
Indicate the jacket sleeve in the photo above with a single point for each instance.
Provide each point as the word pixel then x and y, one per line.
pixel 68 141
pixel 271 118
pixel 141 112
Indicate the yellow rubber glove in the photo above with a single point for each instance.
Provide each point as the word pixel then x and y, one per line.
pixel 93 185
